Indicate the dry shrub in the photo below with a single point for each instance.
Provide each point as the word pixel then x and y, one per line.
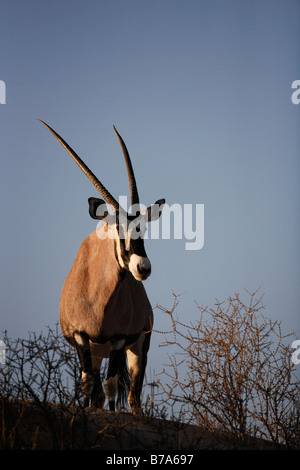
pixel 232 372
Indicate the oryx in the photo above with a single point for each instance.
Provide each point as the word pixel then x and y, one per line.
pixel 104 309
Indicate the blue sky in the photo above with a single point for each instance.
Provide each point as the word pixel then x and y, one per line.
pixel 201 93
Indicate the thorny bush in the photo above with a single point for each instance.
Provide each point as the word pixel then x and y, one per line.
pixel 232 372
pixel 43 368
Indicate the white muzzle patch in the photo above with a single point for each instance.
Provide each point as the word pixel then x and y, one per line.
pixel 139 267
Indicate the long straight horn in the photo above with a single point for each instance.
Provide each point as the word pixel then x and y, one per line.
pixel 98 185
pixel 131 179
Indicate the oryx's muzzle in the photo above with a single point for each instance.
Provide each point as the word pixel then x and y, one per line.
pixel 139 267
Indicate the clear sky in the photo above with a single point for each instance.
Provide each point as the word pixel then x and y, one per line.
pixel 201 93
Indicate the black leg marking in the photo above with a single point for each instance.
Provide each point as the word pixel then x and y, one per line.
pixel 84 354
pixel 115 359
pixel 97 396
pixel 112 405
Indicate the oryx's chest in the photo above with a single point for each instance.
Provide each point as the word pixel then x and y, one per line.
pixel 128 310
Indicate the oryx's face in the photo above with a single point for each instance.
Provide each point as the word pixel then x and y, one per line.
pixel 128 231
pixel 130 246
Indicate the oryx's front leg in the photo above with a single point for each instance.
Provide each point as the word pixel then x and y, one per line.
pixel 84 354
pixel 137 361
pixel 111 382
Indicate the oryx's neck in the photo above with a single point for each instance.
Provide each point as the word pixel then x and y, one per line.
pixel 105 273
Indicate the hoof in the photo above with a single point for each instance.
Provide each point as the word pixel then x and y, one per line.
pixel 112 406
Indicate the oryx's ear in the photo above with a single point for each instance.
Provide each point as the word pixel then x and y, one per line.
pixel 154 212
pixel 97 208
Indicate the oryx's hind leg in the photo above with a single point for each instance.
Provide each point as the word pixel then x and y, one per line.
pixel 98 351
pixel 97 395
pixel 137 361
pixel 111 382
pixel 84 354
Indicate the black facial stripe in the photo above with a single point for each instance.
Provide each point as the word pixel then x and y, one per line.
pixel 123 252
pixel 136 245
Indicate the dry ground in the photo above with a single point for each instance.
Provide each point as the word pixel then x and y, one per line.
pixel 28 425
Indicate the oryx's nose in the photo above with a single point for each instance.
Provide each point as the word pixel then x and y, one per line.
pixel 140 267
pixel 144 271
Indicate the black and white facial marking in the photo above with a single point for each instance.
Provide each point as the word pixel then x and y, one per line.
pixel 129 232
pixel 130 246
